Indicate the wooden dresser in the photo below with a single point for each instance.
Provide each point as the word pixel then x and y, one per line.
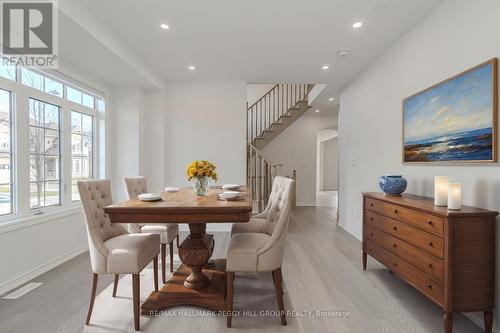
pixel 449 256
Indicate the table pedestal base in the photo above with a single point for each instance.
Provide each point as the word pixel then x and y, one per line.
pixel 174 293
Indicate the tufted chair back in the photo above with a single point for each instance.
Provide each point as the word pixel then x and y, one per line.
pixel 277 200
pixel 95 195
pixel 271 254
pixel 134 187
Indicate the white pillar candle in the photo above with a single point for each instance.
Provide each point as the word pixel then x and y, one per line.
pixel 455 196
pixel 441 190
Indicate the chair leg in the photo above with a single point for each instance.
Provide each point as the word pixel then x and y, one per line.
pixel 115 284
pixel 92 297
pixel 155 272
pixel 177 239
pixel 278 283
pixel 171 245
pixel 163 259
pixel 136 299
pixel 229 298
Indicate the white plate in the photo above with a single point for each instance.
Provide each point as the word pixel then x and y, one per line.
pixel 231 187
pixel 230 194
pixel 230 199
pixel 149 197
pixel 172 189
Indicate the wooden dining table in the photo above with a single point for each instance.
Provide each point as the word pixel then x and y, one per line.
pixel 195 282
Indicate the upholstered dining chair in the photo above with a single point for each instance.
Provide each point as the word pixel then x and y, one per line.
pixel 263 252
pixel 168 231
pixel 259 223
pixel 112 249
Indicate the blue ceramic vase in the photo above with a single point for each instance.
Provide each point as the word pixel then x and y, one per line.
pixel 392 184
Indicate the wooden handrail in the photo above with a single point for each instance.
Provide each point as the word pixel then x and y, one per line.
pixel 269 91
pixel 273 106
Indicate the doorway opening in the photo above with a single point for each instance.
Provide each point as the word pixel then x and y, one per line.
pixel 327 168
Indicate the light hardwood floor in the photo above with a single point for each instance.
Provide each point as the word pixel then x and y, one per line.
pixel 322 271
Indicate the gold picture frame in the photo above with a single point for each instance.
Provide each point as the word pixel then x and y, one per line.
pixel 425 150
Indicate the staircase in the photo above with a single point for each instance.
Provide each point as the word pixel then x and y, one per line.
pixel 266 119
pixel 275 111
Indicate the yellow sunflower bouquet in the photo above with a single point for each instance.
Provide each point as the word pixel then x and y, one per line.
pixel 201 172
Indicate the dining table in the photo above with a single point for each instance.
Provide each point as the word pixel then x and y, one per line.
pixel 196 282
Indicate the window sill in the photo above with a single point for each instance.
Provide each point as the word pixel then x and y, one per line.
pixel 29 221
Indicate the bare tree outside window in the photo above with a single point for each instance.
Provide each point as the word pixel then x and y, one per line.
pixel 45 154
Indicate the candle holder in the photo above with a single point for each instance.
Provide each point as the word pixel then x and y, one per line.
pixel 455 196
pixel 441 190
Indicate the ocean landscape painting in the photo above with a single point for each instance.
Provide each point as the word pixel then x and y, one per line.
pixel 455 120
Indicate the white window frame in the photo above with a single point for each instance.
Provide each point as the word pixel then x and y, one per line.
pixel 20 143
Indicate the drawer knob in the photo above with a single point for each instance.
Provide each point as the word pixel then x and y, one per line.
pixel 396 211
pixel 395 228
pixel 394 245
pixel 371 205
pixel 429 265
pixel 371 233
pixel 430 243
pixel 371 218
pixel 395 264
pixel 429 285
pixel 429 222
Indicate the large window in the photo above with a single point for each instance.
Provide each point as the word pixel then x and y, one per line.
pixel 49 127
pixel 5 153
pixel 45 154
pixel 82 150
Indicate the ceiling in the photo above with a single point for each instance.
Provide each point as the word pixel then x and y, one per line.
pixel 258 41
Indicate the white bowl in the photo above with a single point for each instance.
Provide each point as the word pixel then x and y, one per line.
pixel 172 189
pixel 230 194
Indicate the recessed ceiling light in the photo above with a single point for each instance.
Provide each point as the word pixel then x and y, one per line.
pixel 343 53
pixel 191 68
pixel 357 25
pixel 317 111
pixel 164 26
pixel 325 67
pixel 331 99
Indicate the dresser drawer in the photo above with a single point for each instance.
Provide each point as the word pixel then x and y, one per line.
pixel 430 243
pixel 418 279
pixel 427 263
pixel 421 220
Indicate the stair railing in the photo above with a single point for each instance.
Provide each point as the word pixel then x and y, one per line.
pixel 260 176
pixel 275 104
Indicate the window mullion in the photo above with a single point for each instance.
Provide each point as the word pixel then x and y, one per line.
pixel 66 161
pixel 22 174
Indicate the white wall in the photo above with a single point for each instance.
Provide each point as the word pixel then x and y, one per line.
pixel 295 147
pixel 127 110
pixel 330 161
pixel 152 140
pixel 457 35
pixel 206 121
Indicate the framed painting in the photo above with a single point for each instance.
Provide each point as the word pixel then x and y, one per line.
pixel 454 120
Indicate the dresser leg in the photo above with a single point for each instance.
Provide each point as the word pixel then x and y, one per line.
pixel 448 322
pixel 488 321
pixel 365 257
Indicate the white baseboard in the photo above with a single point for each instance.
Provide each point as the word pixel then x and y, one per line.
pixel 30 275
